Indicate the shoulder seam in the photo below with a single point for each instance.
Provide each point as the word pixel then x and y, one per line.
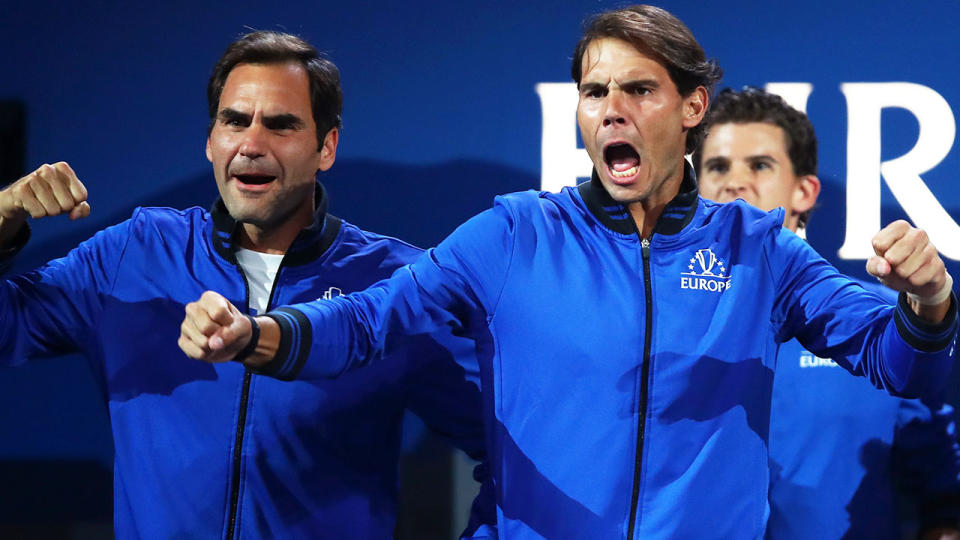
pixel 506 272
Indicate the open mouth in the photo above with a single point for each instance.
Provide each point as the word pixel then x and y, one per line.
pixel 622 160
pixel 254 179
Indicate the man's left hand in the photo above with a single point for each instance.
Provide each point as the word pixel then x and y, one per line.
pixel 906 261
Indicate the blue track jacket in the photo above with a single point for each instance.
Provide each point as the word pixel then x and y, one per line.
pixel 839 449
pixel 626 381
pixel 214 451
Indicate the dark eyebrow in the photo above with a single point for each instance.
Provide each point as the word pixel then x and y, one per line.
pixel 283 121
pixel 762 157
pixel 228 115
pixel 591 86
pixel 716 160
pixel 637 83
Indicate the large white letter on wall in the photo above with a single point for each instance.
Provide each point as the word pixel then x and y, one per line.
pixel 561 162
pixel 795 94
pixel 864 168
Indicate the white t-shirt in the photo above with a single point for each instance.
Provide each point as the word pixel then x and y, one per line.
pixel 260 270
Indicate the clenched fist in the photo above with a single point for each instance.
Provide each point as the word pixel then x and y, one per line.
pixel 48 191
pixel 906 261
pixel 213 329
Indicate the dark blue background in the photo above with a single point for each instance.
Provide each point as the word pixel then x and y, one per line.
pixel 440 115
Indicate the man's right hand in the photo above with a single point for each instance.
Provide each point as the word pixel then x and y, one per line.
pixel 50 190
pixel 214 330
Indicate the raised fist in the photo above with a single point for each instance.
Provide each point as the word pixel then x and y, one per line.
pixel 50 190
pixel 906 261
pixel 213 329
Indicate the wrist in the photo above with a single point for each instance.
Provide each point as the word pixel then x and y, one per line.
pixel 263 345
pixel 941 296
pixel 10 227
pixel 251 345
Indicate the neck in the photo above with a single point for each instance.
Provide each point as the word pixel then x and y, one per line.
pixel 647 211
pixel 275 240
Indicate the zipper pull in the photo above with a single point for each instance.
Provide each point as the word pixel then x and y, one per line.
pixel 644 242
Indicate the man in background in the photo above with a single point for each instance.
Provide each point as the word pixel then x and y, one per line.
pixel 218 451
pixel 838 447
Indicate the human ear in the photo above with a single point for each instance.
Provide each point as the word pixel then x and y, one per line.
pixel 328 151
pixel 695 107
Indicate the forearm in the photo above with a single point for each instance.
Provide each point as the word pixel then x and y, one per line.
pixel 915 355
pixel 9 230
pixel 327 332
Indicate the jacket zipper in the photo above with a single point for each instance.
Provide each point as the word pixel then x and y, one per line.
pixel 242 417
pixel 644 382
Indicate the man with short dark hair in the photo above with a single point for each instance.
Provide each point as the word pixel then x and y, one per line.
pixel 218 451
pixel 838 447
pixel 625 327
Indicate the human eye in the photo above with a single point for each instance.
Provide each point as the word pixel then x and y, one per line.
pixel 593 91
pixel 717 167
pixel 233 119
pixel 761 166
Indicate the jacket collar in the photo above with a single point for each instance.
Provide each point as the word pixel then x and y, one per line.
pixel 615 216
pixel 312 242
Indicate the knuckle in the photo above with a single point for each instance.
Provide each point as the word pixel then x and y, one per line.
pixel 187 347
pixel 220 312
pixel 206 327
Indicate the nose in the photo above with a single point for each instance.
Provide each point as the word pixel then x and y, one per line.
pixel 254 141
pixel 736 184
pixel 613 114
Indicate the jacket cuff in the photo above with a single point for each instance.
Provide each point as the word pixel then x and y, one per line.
pixel 923 335
pixel 296 335
pixel 8 253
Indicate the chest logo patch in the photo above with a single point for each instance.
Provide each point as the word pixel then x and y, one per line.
pixel 332 292
pixel 706 273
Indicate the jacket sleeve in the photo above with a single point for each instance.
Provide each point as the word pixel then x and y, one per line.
pixel 834 317
pixel 453 287
pixel 54 309
pixel 927 461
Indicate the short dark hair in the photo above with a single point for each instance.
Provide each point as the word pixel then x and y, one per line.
pixel 268 47
pixel 756 105
pixel 656 32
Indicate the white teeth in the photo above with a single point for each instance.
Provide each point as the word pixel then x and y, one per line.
pixel 624 174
